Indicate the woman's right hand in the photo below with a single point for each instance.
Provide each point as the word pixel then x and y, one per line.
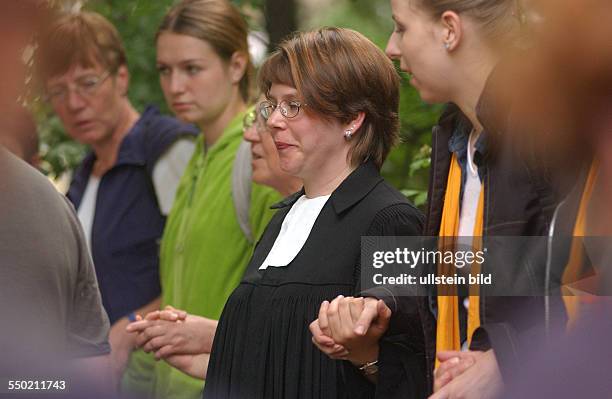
pixel 193 365
pixel 172 331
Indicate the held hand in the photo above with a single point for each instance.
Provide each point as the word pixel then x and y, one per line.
pixel 169 314
pixel 167 333
pixel 322 338
pixel 482 380
pixel 452 365
pixel 325 343
pixel 357 324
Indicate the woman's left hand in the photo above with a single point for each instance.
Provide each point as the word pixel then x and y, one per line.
pixel 356 324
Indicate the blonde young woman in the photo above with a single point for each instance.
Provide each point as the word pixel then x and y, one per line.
pixel 454 53
pixel 205 72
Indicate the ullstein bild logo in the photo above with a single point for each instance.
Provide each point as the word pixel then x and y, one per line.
pixel 410 258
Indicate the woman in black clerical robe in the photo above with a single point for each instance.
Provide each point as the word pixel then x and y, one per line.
pixel 331 105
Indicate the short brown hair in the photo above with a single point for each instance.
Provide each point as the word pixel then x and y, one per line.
pixel 339 73
pixel 217 22
pixel 84 38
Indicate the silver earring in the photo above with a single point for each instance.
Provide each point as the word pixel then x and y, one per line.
pixel 348 133
pixel 447 46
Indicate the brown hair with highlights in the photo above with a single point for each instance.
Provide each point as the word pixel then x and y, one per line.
pixel 339 73
pixel 83 38
pixel 216 22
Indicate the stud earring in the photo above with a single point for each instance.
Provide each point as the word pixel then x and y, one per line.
pixel 447 46
pixel 348 134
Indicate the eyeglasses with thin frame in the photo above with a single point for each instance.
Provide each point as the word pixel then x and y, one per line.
pixel 85 86
pixel 288 109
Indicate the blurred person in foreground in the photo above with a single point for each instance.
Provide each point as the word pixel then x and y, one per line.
pixel 19 134
pixel 567 86
pixel 54 325
pixel 124 187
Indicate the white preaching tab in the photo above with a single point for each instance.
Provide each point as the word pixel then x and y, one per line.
pixel 294 231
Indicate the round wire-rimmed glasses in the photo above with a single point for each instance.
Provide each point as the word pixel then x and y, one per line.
pixel 288 109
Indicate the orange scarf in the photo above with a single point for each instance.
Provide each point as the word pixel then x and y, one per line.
pixel 573 269
pixel 448 335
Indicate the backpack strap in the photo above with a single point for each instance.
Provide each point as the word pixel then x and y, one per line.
pixel 241 188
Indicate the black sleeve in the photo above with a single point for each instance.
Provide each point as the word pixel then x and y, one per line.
pixel 402 362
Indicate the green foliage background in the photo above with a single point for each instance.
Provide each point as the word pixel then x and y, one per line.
pixel 137 20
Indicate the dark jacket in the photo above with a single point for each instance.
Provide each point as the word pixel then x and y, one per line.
pixel 519 200
pixel 128 223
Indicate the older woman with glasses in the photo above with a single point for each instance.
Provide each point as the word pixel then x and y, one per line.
pixel 124 187
pixel 160 329
pixel 335 125
pixel 264 155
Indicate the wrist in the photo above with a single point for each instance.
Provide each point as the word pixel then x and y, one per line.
pixel 119 338
pixel 371 355
pixel 369 368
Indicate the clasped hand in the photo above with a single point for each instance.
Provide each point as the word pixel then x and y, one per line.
pixel 349 328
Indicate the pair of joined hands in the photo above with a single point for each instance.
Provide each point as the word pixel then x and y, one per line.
pixel 349 328
pixel 182 340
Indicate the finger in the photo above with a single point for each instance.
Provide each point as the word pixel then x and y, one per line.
pixel 318 335
pixel 323 321
pixel 344 315
pixel 181 313
pixel 154 344
pixel 368 315
pixel 140 340
pixel 356 307
pixel 152 315
pixel 325 349
pixel 334 318
pixel 165 351
pixel 154 331
pixel 440 382
pixel 138 326
pixel 168 315
pixel 447 355
pixel 445 366
pixel 442 393
pixel 337 348
pixel 460 368
pixel 384 315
